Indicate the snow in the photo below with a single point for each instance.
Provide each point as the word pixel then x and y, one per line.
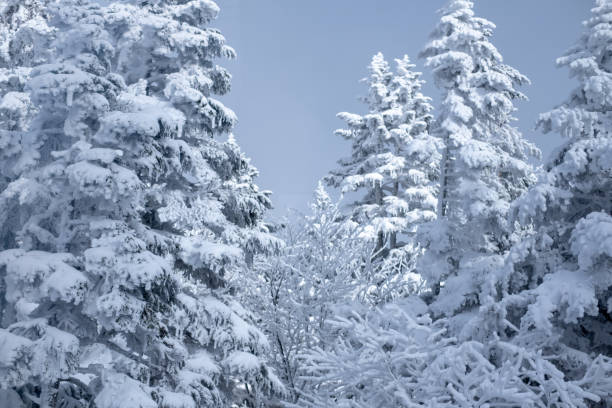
pixel 198 253
pixel 94 354
pixel 23 308
pixel 120 391
pixel 241 330
pixel 90 177
pixel 205 10
pixel 564 292
pixel 53 272
pixel 242 361
pixel 171 399
pixel 104 156
pixel 11 346
pixel 136 269
pixel 59 340
pixel 67 284
pixel 84 377
pixel 15 101
pixel 202 363
pixel 591 241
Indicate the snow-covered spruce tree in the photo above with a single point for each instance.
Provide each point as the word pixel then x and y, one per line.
pixel 393 167
pixel 295 291
pixel 121 229
pixel 484 165
pixel 559 283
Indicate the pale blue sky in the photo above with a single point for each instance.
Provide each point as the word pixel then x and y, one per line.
pixel 299 63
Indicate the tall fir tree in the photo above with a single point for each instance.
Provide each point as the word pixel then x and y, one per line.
pixel 120 230
pixel 484 165
pixel 393 165
pixel 559 282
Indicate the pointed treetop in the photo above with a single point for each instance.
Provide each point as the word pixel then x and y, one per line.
pixel 405 66
pixel 379 80
pixel 592 53
pixel 407 79
pixel 321 196
pixel 586 113
pixel 454 6
pixel 460 43
pixel 379 68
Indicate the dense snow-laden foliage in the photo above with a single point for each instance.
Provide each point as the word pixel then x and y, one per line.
pixel 136 270
pixel 559 282
pixel 394 161
pixel 295 291
pixel 126 215
pixel 484 165
pixel 396 356
pixel 24 42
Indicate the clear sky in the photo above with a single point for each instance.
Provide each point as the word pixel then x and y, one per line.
pixel 299 63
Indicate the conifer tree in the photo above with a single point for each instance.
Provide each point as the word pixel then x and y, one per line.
pixel 559 283
pixel 369 153
pixel 120 231
pixel 484 165
pixel 393 166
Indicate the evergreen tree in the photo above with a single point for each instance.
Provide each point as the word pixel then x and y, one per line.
pixel 559 282
pixel 128 216
pixel 393 164
pixel 484 165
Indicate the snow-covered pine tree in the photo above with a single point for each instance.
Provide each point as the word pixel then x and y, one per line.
pixel 484 165
pixel 119 235
pixel 393 165
pixel 559 285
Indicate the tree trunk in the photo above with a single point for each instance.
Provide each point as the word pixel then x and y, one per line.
pixel 44 394
pixel 444 170
pixel 379 201
pixel 393 238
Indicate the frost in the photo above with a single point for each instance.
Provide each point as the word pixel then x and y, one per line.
pixel 200 253
pixel 242 361
pixel 592 241
pixel 11 346
pixel 565 292
pixel 120 391
pixel 67 284
pixel 176 400
pixel 202 363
